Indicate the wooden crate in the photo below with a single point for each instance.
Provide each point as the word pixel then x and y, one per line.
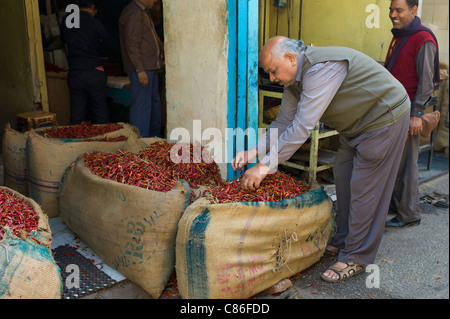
pixel 35 119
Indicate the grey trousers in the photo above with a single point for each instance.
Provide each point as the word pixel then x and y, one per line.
pixel 365 170
pixel 405 198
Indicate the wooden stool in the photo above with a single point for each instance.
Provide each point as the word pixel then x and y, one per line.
pixel 35 119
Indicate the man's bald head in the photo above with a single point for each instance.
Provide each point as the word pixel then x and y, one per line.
pixel 279 58
pixel 266 52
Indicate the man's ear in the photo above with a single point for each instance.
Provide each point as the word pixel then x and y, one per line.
pixel 291 58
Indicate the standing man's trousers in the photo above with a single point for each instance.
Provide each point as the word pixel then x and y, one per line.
pixel 365 170
pixel 145 110
pixel 88 101
pixel 405 199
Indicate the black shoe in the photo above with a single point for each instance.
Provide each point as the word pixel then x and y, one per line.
pixel 394 222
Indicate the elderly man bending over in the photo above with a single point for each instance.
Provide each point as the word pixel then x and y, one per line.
pixel 352 93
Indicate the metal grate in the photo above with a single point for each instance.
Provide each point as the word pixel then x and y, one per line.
pixel 82 277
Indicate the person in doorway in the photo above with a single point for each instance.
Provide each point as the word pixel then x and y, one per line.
pixel 142 52
pixel 86 78
pixel 349 91
pixel 413 60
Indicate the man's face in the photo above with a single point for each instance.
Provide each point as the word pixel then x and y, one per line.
pixel 281 71
pixel 401 15
pixel 93 10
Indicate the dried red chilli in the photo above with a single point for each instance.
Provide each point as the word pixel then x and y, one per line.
pixel 171 288
pixel 128 168
pixel 17 215
pixel 152 168
pixel 275 187
pixel 184 161
pixel 82 130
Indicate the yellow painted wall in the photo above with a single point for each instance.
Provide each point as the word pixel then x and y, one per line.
pixel 333 23
pixel 36 54
pixel 22 72
pixel 16 87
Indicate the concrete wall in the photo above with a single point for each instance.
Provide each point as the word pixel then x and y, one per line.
pixel 196 48
pixel 16 87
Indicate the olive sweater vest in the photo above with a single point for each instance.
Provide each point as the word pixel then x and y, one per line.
pixel 370 98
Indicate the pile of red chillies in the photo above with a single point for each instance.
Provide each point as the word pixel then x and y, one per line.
pixel 154 168
pixel 275 187
pixel 151 168
pixel 83 130
pixel 184 161
pixel 17 215
pixel 128 168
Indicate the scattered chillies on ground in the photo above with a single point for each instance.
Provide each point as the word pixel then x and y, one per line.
pixel 84 130
pixel 17 215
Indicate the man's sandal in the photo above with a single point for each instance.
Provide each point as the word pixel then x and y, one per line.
pixel 351 270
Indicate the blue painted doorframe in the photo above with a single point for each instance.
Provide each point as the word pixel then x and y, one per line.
pixel 242 78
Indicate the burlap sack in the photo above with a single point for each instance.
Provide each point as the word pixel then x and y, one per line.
pixel 237 250
pixel 131 228
pixel 15 160
pixel 48 159
pixel 28 270
pixel 441 140
pixel 429 122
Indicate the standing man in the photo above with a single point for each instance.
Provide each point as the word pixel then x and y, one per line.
pixel 413 60
pixel 86 78
pixel 141 53
pixel 349 91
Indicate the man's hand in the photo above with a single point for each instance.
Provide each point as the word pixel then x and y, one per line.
pixel 415 126
pixel 243 158
pixel 254 176
pixel 143 78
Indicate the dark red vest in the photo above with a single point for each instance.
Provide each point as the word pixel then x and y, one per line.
pixel 405 67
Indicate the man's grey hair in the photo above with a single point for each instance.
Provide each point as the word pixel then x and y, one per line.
pixel 288 46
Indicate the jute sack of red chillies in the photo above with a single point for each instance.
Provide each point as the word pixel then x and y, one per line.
pixel 15 160
pixel 28 268
pixel 237 249
pixel 51 150
pixel 130 226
